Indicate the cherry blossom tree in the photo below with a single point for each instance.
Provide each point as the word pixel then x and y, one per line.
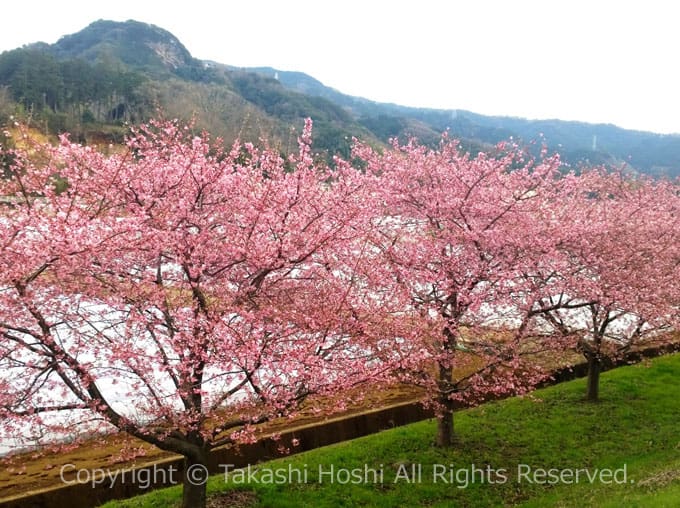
pixel 614 278
pixel 182 293
pixel 458 233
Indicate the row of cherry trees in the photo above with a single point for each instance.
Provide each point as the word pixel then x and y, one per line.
pixel 506 258
pixel 183 293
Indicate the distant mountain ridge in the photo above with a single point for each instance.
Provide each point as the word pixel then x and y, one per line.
pixel 111 72
pixel 576 141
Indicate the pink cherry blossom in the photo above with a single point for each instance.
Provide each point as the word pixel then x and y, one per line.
pixel 182 293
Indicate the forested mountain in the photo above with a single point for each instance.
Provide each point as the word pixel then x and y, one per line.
pixel 90 83
pixel 576 141
pixel 145 48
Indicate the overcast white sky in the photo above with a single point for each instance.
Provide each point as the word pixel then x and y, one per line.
pixel 593 60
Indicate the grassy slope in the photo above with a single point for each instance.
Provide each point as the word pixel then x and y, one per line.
pixel 635 425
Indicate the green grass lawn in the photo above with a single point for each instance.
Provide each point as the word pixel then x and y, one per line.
pixel 510 453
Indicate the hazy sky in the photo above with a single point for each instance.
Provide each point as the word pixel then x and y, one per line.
pixel 594 60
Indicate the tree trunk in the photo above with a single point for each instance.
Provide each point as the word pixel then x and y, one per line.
pixel 445 429
pixel 594 367
pixel 194 480
pixel 445 435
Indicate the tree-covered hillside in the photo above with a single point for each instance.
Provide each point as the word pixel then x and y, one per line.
pixel 91 83
pixel 94 81
pixel 577 142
